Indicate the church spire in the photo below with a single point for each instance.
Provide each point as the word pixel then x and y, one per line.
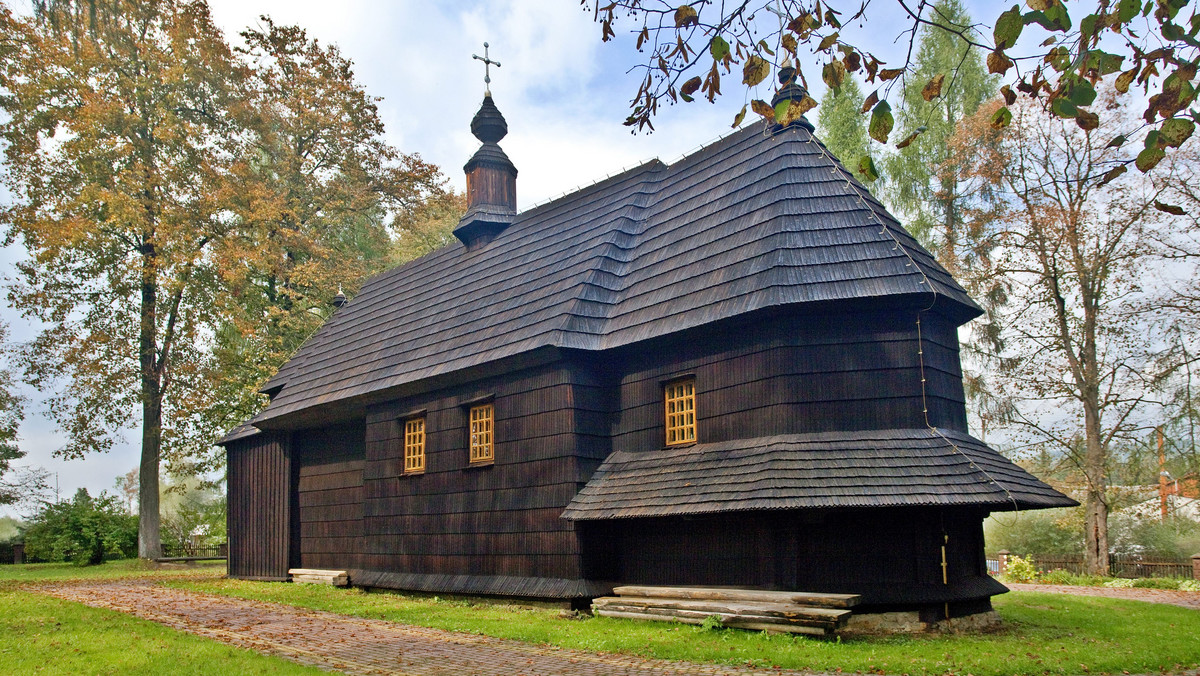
pixel 491 176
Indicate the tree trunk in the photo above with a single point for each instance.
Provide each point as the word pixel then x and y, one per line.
pixel 149 536
pixel 149 533
pixel 1095 506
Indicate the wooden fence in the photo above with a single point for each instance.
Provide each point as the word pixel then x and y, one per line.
pixel 195 551
pixel 1119 566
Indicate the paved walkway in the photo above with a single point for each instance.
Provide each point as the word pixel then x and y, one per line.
pixel 359 646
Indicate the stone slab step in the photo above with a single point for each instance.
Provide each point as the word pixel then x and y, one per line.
pixel 336 578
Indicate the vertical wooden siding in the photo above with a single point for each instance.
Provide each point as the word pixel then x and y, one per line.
pixel 797 374
pixel 259 472
pixel 555 423
pixel 891 556
pixel 329 487
pixel 500 519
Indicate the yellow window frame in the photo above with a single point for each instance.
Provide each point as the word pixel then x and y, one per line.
pixel 414 445
pixel 679 398
pixel 482 433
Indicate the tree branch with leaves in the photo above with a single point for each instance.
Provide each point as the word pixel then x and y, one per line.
pixel 1146 46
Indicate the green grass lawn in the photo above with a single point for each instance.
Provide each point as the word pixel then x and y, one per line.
pixel 43 635
pixel 1044 633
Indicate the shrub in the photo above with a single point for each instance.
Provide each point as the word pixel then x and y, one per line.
pixel 1189 585
pixel 1050 531
pixel 1119 583
pixel 712 623
pixel 84 530
pixel 1156 583
pixel 1021 569
pixel 1060 576
pixel 192 515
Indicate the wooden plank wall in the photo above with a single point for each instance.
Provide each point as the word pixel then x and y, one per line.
pixel 891 556
pixel 259 469
pixel 797 374
pixel 490 185
pixel 551 427
pixel 329 487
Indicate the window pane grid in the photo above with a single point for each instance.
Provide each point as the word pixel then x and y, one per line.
pixel 481 433
pixel 681 412
pixel 414 445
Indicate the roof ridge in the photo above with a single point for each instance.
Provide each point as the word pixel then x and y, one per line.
pixel 635 219
pixel 653 164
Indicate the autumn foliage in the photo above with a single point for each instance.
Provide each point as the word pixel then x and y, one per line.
pixel 189 211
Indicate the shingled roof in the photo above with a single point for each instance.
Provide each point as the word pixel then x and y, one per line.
pixel 760 218
pixel 873 468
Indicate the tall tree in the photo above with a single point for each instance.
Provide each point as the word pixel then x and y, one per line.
pixel 843 129
pixel 317 194
pixel 429 227
pixel 932 201
pixel 116 135
pixel 1075 259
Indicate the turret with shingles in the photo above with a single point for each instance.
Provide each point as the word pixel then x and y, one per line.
pixel 491 181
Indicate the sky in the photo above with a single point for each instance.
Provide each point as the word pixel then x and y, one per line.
pixel 563 92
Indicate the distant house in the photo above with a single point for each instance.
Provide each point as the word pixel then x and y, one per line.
pixel 1177 506
pixel 736 369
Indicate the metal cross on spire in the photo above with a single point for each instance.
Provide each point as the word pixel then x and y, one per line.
pixel 487 69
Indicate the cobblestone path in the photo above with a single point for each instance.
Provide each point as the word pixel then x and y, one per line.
pixel 359 646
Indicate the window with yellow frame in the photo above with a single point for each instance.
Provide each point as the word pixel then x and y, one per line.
pixel 482 436
pixel 680 398
pixel 414 445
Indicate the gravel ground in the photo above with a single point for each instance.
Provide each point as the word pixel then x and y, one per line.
pixel 1175 598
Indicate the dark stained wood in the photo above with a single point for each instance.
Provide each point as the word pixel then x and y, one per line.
pixel 892 558
pixel 329 496
pixel 796 374
pixel 823 343
pixel 498 521
pixel 491 185
pixel 259 470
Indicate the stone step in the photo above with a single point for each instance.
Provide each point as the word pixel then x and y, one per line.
pixel 336 578
pixel 761 609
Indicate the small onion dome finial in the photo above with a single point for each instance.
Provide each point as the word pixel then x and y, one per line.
pixel 790 90
pixel 339 300
pixel 489 125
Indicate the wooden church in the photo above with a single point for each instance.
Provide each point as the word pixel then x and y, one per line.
pixel 737 369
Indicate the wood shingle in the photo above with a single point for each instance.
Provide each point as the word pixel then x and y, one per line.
pixel 755 220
